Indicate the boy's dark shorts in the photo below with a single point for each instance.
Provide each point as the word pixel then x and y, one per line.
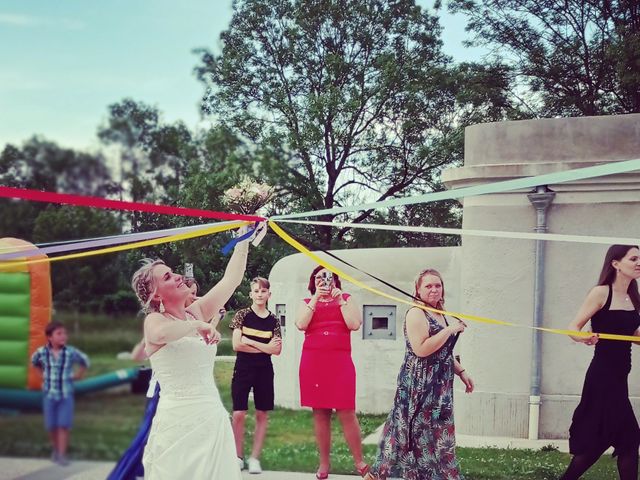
pixel 256 377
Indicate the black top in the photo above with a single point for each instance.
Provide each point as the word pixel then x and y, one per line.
pixel 604 417
pixel 256 328
pixel 615 355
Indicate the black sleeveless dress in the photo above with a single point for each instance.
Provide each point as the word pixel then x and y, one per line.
pixel 604 416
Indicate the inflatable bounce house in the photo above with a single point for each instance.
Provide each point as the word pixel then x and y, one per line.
pixel 25 311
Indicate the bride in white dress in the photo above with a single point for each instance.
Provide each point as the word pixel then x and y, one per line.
pixel 191 436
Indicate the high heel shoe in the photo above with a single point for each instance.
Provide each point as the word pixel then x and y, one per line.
pixel 363 470
pixel 322 475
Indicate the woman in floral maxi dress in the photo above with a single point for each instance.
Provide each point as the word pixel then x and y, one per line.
pixel 418 440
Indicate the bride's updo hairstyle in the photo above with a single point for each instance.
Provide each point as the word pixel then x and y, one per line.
pixel 142 284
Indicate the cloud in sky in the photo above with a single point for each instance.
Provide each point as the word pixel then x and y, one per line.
pixel 30 21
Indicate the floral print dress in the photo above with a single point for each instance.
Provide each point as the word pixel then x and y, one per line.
pixel 418 439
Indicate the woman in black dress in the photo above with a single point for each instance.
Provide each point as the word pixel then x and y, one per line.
pixel 604 418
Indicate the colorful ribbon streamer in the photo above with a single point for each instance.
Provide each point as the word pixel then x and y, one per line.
pixel 97 202
pixel 99 242
pixel 496 187
pixel 478 233
pixel 475 318
pixel 131 246
pixel 229 246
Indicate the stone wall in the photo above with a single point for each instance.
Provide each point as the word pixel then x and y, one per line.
pixel 497 274
pixel 494 277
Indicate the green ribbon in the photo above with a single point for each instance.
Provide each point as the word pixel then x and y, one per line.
pixel 496 187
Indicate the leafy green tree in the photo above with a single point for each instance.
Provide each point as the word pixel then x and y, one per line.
pixel 575 57
pixel 354 100
pixel 79 283
pixel 152 157
pixel 42 165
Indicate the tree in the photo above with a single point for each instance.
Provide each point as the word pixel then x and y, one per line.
pixel 132 128
pixel 78 283
pixel 222 160
pixel 43 165
pixel 575 57
pixel 355 100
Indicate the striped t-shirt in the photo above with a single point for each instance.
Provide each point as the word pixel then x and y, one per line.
pixel 256 328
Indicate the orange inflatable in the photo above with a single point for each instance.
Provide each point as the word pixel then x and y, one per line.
pixel 25 311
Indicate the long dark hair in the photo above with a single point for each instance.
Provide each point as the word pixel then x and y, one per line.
pixel 608 273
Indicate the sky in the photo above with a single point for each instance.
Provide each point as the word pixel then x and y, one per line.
pixel 63 62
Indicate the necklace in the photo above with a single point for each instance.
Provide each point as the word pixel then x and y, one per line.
pixel 626 295
pixel 320 299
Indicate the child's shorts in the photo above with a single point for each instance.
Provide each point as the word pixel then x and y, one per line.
pixel 58 413
pixel 256 377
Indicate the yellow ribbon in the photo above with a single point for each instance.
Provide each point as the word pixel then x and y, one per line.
pixel 145 243
pixel 475 318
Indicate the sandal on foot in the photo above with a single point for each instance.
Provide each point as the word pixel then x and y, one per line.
pixel 322 475
pixel 362 471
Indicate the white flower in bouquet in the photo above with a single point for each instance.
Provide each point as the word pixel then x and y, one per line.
pixel 248 196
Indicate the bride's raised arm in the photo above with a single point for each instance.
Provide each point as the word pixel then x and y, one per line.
pixel 211 302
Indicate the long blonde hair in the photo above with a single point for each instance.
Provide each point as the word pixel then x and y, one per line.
pixel 143 285
pixel 418 281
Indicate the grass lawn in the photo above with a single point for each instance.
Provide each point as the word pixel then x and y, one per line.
pixel 106 422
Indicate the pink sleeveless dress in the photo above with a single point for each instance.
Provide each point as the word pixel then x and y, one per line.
pixel 327 373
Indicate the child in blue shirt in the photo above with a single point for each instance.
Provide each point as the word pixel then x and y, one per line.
pixel 57 361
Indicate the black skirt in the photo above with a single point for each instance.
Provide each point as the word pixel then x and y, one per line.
pixel 604 418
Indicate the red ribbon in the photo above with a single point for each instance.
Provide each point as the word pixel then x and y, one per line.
pixel 96 202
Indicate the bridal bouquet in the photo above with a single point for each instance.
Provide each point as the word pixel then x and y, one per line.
pixel 248 197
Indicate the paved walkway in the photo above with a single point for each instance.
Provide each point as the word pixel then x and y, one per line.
pixel 42 469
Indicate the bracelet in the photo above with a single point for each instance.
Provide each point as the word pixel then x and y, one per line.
pixel 310 307
pixel 342 304
pixel 460 372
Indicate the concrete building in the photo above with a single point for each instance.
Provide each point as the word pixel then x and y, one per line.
pixel 496 277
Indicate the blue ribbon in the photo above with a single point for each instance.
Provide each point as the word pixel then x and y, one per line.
pixel 229 246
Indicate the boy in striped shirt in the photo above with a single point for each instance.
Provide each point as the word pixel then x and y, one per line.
pixel 57 361
pixel 256 336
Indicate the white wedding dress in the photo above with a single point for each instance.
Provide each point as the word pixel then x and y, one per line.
pixel 191 436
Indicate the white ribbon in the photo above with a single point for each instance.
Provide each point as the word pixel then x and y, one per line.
pixel 478 233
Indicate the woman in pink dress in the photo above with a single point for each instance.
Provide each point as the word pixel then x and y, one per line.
pixel 327 374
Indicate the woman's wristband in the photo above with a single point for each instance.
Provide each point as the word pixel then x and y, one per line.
pixel 310 307
pixel 460 372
